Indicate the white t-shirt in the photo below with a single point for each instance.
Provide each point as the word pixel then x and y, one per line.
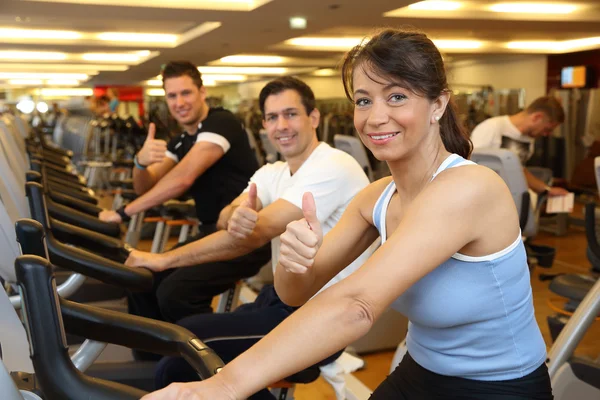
pixel 332 176
pixel 499 132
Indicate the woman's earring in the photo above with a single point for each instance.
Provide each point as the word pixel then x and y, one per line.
pixel 437 117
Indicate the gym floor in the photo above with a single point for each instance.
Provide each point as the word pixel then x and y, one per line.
pixel 570 258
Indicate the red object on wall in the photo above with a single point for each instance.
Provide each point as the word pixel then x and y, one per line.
pixel 556 62
pixel 125 93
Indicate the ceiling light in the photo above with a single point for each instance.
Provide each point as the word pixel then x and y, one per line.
pixel 35 75
pixel 31 55
pixel 42 107
pixel 227 5
pixel 61 92
pixel 62 82
pixel 25 81
pixel 435 5
pixel 531 45
pixel 111 57
pixel 26 106
pixel 208 82
pixel 537 8
pixel 243 70
pixel 137 37
pixel 242 59
pixel 458 44
pixel 143 53
pixel 154 82
pixel 569 44
pixel 155 92
pixel 298 23
pixel 556 46
pixel 226 77
pixel 325 72
pixel 8 33
pixel 90 69
pixel 341 43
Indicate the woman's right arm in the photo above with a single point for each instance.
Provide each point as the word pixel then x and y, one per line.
pixel 302 272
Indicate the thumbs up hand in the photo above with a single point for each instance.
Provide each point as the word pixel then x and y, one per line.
pixel 153 150
pixel 244 218
pixel 302 239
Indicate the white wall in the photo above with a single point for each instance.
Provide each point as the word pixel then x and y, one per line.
pixel 502 72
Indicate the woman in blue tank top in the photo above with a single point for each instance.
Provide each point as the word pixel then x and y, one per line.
pixel 451 257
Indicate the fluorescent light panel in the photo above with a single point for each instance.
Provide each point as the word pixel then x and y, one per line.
pixel 458 44
pixel 31 55
pixel 342 43
pixel 229 5
pixel 530 8
pixel 555 46
pixel 436 5
pixel 65 92
pixel 137 37
pixel 90 69
pixel 111 57
pixel 346 43
pixel 253 59
pixel 34 75
pixel 9 33
pixel 25 82
pixel 242 70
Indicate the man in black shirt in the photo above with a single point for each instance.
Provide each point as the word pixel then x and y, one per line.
pixel 211 159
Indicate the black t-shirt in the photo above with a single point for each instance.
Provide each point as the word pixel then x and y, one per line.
pixel 228 177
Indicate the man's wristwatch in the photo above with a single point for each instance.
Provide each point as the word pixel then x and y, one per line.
pixel 137 163
pixel 121 212
pixel 546 190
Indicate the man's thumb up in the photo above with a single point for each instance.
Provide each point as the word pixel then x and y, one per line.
pixel 151 131
pixel 250 201
pixel 309 208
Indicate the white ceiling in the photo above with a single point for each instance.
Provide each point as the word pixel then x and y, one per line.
pixel 203 36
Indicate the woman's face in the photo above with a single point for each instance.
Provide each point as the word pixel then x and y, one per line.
pixel 392 121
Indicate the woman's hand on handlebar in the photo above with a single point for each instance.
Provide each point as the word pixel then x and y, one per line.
pixel 211 389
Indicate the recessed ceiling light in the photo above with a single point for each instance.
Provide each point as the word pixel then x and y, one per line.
pixel 60 92
pixel 458 44
pixel 537 8
pixel 298 23
pixel 111 57
pixel 250 59
pixel 31 55
pixel 25 82
pixel 243 70
pixel 137 37
pixel 9 33
pixel 342 43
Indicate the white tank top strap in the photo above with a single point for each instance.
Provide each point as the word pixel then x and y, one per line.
pixel 381 206
pixel 380 209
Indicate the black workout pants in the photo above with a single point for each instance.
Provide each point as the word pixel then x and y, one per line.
pixel 229 335
pixel 181 292
pixel 411 381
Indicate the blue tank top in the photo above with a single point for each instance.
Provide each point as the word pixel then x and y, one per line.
pixel 471 317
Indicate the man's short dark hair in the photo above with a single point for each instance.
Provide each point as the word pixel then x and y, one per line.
pixel 175 69
pixel 550 106
pixel 278 85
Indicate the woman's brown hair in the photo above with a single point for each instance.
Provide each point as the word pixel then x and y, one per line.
pixel 410 59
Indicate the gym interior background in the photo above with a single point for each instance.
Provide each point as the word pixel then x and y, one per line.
pixel 57 56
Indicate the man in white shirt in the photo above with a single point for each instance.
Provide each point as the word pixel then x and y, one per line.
pixel 518 133
pixel 260 214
